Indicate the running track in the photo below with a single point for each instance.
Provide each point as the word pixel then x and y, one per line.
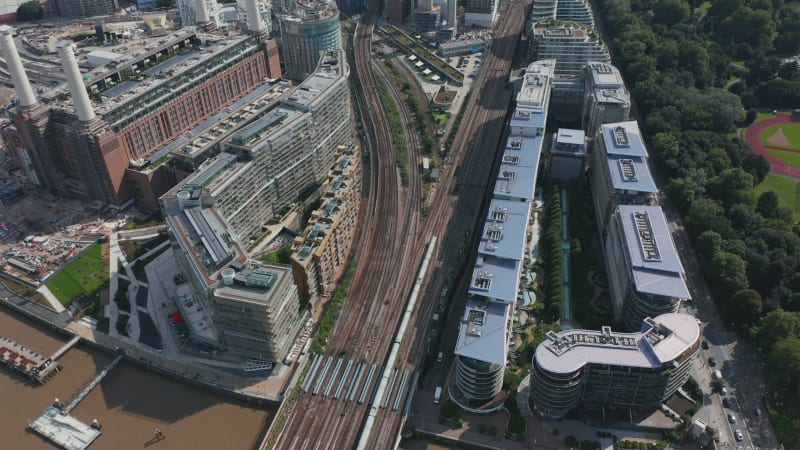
pixel 752 134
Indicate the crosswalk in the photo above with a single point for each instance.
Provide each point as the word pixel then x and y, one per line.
pixel 341 379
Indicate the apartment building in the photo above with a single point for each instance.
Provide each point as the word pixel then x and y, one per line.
pixel 288 150
pixel 482 347
pixel 81 8
pixel 591 370
pixel 85 137
pixel 620 174
pixel 249 308
pixel 645 274
pixel 570 10
pixel 312 29
pixel 571 44
pixel 320 253
pixel 606 99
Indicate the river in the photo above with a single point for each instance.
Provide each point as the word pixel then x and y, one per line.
pixel 130 403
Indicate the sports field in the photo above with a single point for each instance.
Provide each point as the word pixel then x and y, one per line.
pixel 790 157
pixel 788 191
pixel 786 135
pixel 85 274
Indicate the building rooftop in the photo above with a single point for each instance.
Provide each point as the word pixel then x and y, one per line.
pixel 496 278
pixel 482 333
pixel 221 124
pixel 256 283
pixel 195 314
pixel 529 117
pixel 518 170
pixel 657 268
pixel 63 430
pixel 570 137
pixel 535 91
pixel 661 341
pixel 206 237
pixel 604 76
pixel 618 95
pixel 627 157
pixel 504 230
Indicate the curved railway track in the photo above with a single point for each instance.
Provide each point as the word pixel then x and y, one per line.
pixel 388 251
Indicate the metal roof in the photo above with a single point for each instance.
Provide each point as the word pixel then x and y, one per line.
pixel 626 157
pixel 496 278
pixel 505 228
pixel 656 265
pixel 482 332
pixel 661 341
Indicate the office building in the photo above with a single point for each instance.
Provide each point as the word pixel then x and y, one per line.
pixel 606 99
pixel 645 274
pixel 495 288
pixel 619 171
pixel 399 10
pixel 320 253
pixel 480 13
pixel 312 29
pixel 157 92
pixel 426 20
pixel 82 8
pixel 600 371
pixel 460 47
pixel 568 155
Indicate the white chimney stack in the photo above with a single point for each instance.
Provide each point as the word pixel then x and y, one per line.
pixel 66 50
pixel 254 16
pixel 452 9
pixel 15 68
pixel 200 11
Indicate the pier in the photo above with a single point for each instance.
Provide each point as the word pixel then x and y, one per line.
pixel 26 361
pixel 92 384
pixel 60 352
pixel 56 425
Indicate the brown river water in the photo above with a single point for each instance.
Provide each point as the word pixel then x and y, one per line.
pixel 130 403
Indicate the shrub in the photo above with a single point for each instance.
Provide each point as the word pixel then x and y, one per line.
pixel 460 423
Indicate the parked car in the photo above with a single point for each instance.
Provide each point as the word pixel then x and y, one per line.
pixel 712 361
pixel 705 345
pixel 731 418
pixel 726 402
pixel 738 434
pixel 757 411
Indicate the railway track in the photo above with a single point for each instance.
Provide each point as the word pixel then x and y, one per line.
pixel 333 404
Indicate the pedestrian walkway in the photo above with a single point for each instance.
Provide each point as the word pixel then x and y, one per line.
pixel 51 299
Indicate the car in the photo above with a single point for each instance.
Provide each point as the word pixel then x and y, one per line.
pixel 731 418
pixel 739 436
pixel 757 411
pixel 712 361
pixel 705 345
pixel 723 391
pixel 726 402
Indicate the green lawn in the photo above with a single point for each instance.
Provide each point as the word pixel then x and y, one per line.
pixel 788 191
pixel 83 275
pixel 791 130
pixel 792 158
pixel 763 116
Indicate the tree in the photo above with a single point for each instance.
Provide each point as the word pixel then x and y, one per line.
pixel 30 11
pixel 767 205
pixel 670 12
pixel 707 245
pixel 732 186
pixel 784 364
pixel 776 326
pixel 744 308
pixel 728 274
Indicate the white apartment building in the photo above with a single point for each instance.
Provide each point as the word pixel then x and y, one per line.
pixel 606 99
pixel 571 44
pixel 570 10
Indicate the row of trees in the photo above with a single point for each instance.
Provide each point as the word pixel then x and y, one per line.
pixel 552 255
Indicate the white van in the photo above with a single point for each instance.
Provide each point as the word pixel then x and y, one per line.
pixel 717 374
pixel 437 395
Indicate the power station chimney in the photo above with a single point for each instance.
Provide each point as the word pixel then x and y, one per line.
pixel 66 50
pixel 452 12
pixel 200 11
pixel 254 16
pixel 15 68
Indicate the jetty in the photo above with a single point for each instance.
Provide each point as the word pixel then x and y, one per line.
pixel 28 362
